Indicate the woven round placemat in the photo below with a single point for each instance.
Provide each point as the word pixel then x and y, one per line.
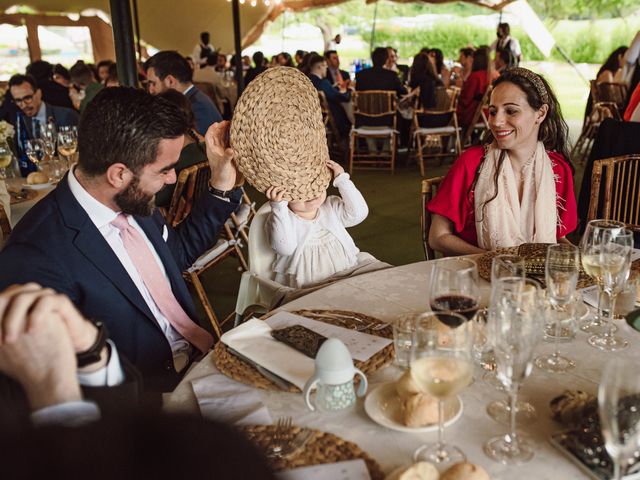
pixel 233 367
pixel 278 135
pixel 321 448
pixel 535 268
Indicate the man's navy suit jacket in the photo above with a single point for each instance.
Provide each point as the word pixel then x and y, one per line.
pixel 57 245
pixel 205 112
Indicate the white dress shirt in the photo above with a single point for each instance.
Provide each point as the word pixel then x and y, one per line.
pixel 102 216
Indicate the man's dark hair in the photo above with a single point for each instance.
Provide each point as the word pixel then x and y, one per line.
pixel 467 52
pixel 19 79
pixel 212 59
pixel 180 100
pixel 62 71
pixel 505 28
pixel 104 63
pixel 480 59
pixel 170 62
pixel 205 37
pixel 313 61
pixel 379 56
pixel 81 74
pixel 258 59
pixel 328 53
pixel 125 125
pixel 40 70
pixel 507 56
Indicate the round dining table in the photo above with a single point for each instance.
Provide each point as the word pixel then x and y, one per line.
pixel 387 294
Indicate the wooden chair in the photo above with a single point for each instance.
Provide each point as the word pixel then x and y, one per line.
pixel 370 104
pixel 480 122
pixel 428 137
pixel 192 182
pixel 615 93
pixel 582 148
pixel 615 190
pixel 429 189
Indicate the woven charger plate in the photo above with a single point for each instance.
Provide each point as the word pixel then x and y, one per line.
pixel 278 135
pixel 242 372
pixel 321 448
pixel 484 266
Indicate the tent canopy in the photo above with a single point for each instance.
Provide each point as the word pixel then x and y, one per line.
pixel 171 24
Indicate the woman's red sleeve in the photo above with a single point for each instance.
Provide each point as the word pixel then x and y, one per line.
pixel 567 208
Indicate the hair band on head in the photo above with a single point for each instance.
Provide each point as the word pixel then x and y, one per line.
pixel 535 80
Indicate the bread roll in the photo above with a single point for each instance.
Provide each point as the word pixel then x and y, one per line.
pixel 35 178
pixel 406 386
pixel 419 410
pixel 417 471
pixel 465 471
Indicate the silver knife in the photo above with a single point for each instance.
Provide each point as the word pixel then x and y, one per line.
pixel 279 381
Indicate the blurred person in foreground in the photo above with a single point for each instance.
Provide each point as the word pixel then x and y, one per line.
pixel 518 187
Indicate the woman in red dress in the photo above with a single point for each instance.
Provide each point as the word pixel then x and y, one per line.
pixel 518 188
pixel 473 88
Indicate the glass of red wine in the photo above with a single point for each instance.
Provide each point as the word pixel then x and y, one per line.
pixel 454 287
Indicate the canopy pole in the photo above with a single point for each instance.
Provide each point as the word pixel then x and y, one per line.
pixel 570 62
pixel 373 28
pixel 238 46
pixel 284 25
pixel 136 24
pixel 123 40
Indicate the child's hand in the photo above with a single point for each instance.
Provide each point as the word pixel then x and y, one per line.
pixel 275 194
pixel 335 168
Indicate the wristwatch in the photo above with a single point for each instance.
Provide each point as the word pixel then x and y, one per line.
pixel 221 193
pixel 92 355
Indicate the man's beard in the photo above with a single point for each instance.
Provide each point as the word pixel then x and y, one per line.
pixel 133 201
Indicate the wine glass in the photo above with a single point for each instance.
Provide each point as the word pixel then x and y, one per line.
pixel 441 367
pixel 590 246
pixel 67 142
pixel 561 276
pixel 619 411
pixel 515 331
pixel 6 157
pixel 49 134
pixel 34 148
pixel 454 287
pixel 614 262
pixel 507 266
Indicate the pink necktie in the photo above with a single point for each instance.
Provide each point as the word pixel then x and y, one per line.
pixel 159 287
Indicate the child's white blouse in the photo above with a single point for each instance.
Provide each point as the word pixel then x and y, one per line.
pixel 309 251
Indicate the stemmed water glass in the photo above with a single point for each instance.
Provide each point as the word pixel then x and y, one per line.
pixel 515 331
pixel 49 134
pixel 34 148
pixel 441 367
pixel 590 246
pixel 67 142
pixel 614 262
pixel 454 287
pixel 619 411
pixel 561 276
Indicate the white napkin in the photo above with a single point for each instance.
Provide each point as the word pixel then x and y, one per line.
pixel 223 399
pixel 349 470
pixel 253 340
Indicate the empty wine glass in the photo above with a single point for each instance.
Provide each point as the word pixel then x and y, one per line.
pixel 49 135
pixel 515 331
pixel 34 148
pixel 619 411
pixel 590 246
pixel 441 367
pixel 507 266
pixel 561 276
pixel 454 287
pixel 614 262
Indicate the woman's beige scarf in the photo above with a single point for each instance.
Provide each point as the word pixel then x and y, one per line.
pixel 505 221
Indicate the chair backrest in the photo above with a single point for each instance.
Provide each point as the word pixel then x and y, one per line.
pixel 327 118
pixel 615 190
pixel 191 183
pixel 261 255
pixel 612 92
pixel 375 104
pixel 478 116
pixel 429 189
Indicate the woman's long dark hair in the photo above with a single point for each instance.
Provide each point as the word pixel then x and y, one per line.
pixel 421 69
pixel 439 56
pixel 553 131
pixel 613 63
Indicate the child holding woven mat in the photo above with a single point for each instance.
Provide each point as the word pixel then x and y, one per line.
pixel 310 237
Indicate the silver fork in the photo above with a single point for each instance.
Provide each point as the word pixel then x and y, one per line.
pixel 279 440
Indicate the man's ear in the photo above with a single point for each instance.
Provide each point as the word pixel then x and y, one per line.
pixel 118 175
pixel 170 81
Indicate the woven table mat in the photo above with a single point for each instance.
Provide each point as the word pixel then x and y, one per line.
pixel 584 280
pixel 321 448
pixel 235 368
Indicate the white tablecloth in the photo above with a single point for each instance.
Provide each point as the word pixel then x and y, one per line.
pixel 385 294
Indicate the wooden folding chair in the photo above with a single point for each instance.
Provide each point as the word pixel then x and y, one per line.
pixel 615 190
pixel 380 104
pixel 192 182
pixel 429 189
pixel 601 110
pixel 480 122
pixel 428 138
pixel 615 93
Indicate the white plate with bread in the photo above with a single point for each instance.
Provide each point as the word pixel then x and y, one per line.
pixel 416 415
pixel 37 181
